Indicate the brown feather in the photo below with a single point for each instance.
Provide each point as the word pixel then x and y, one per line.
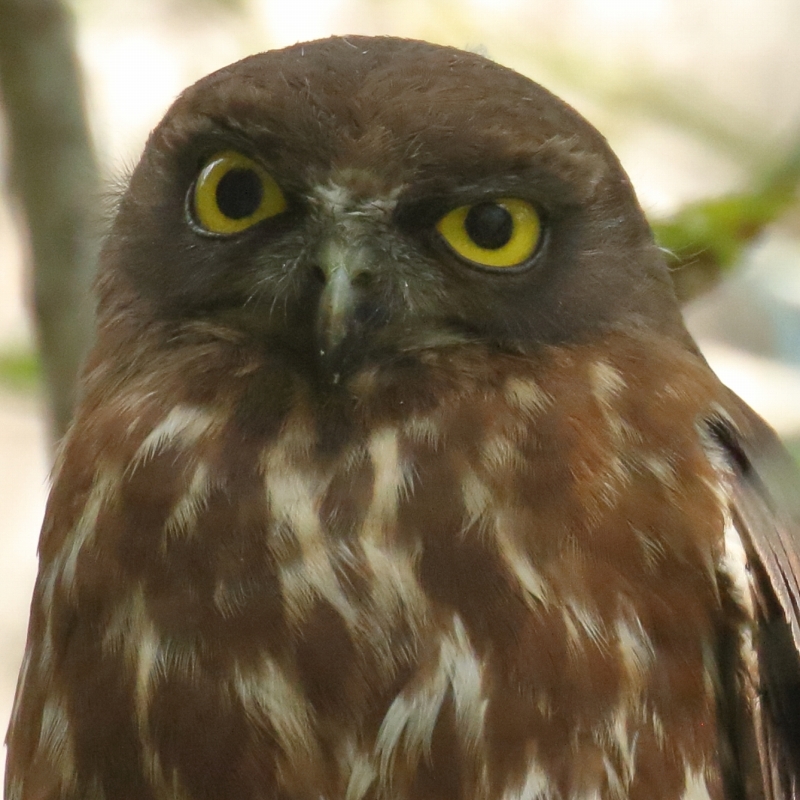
pixel 483 547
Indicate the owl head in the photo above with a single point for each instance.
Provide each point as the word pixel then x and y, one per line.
pixel 356 199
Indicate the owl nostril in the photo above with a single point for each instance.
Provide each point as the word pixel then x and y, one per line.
pixel 361 280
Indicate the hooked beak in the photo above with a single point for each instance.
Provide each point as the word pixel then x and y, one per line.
pixel 344 267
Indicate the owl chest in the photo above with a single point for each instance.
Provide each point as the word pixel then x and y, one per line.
pixel 486 600
pixel 423 610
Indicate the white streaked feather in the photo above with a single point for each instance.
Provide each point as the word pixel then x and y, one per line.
pixel 410 721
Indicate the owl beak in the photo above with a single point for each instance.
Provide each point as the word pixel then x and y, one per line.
pixel 341 265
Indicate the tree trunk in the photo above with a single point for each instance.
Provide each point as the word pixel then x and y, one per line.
pixel 54 176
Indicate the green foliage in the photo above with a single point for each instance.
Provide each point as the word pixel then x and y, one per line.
pixel 19 369
pixel 719 228
pixel 793 446
pixel 704 240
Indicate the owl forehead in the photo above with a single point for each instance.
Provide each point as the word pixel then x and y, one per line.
pixel 359 193
pixel 395 110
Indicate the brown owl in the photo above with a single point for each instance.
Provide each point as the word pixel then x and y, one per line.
pixel 397 475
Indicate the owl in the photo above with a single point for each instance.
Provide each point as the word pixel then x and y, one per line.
pixel 396 474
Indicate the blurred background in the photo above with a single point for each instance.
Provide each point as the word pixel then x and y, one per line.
pixel 699 98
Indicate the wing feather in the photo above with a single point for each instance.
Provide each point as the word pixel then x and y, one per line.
pixel 765 508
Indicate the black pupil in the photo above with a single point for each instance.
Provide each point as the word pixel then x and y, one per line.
pixel 239 193
pixel 489 225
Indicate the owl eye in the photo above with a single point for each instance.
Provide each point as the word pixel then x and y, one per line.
pixel 233 192
pixel 494 233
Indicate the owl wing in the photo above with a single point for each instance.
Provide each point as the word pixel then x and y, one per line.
pixel 765 506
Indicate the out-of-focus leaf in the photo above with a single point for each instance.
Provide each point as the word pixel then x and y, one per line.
pixel 705 239
pixel 19 369
pixel 793 446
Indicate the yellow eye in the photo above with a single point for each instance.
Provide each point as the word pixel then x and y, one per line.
pixel 233 192
pixel 495 233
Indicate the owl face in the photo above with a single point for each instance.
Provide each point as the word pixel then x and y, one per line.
pixel 357 199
